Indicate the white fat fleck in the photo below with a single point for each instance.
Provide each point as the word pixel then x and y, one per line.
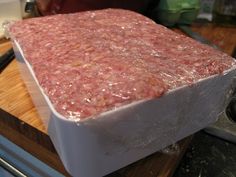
pixel 48 44
pixel 92 15
pixel 197 64
pixel 64 106
pixel 121 96
pixel 57 72
pixel 111 84
pixel 155 53
pixel 180 47
pixel 87 100
pixel 195 52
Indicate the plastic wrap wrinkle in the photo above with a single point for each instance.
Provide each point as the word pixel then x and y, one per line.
pixel 91 62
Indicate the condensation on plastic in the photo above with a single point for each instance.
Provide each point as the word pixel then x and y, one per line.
pixel 115 138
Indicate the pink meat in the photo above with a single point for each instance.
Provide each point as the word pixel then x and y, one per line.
pixel 94 61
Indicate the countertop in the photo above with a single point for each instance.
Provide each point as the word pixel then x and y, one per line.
pixel 208 156
pixel 20 122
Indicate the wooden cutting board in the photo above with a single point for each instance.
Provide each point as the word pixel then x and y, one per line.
pixel 14 97
pixel 19 120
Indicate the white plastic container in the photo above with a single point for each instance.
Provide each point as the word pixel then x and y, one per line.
pixel 9 10
pixel 96 147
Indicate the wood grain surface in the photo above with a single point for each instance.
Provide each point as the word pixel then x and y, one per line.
pixel 223 36
pixel 14 97
pixel 20 122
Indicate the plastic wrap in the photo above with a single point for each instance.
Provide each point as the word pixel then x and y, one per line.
pixel 108 61
pixel 134 87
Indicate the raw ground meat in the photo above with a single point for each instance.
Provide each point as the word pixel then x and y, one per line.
pixel 94 61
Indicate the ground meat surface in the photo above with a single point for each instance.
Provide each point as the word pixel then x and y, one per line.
pixel 91 62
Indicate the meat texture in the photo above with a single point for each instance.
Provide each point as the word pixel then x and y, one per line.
pixel 91 62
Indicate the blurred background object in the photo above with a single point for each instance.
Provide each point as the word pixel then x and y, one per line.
pixel 224 12
pixel 206 10
pixel 218 11
pixel 9 10
pixel 172 12
pixel 48 7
